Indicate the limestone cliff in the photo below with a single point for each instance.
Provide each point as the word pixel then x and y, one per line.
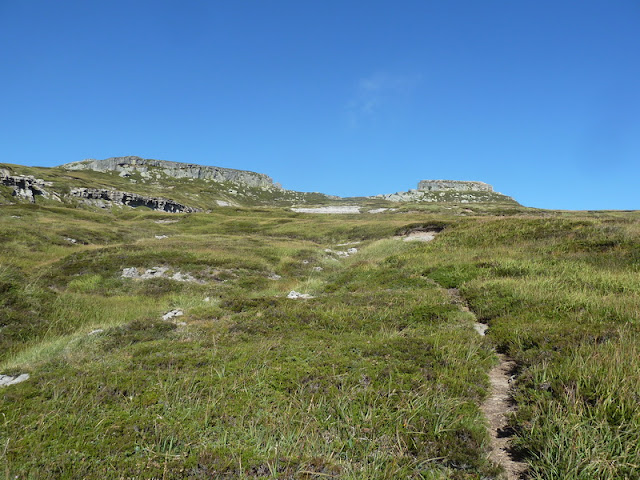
pixel 453 186
pixel 452 191
pixel 105 198
pixel 26 186
pixel 148 168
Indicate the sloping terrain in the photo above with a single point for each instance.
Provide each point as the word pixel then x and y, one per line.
pixel 163 345
pixel 181 187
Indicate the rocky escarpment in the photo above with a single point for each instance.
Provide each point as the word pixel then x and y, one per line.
pixel 453 186
pixel 149 168
pixel 26 186
pixel 455 191
pixel 106 198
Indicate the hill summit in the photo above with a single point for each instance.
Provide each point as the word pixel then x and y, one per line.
pixel 149 168
pixel 132 181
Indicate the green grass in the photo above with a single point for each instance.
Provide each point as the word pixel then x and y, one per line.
pixel 379 376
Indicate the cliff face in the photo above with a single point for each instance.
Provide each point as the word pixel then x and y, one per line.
pixel 148 168
pixel 104 198
pixel 455 191
pixel 25 186
pixel 453 186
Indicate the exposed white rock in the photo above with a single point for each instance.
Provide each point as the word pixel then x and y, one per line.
pixel 317 269
pixel 274 276
pixel 481 328
pixel 420 236
pixel 297 295
pixel 158 272
pixel 347 244
pixel 172 314
pixel 184 277
pixel 341 209
pixel 341 253
pixel 71 240
pixel 96 331
pixel 378 210
pixel 222 203
pixel 6 380
pixel 161 237
pixel 166 221
pixel 131 272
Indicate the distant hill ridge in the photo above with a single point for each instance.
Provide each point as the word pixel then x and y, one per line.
pixel 147 167
pixel 453 185
pixel 186 187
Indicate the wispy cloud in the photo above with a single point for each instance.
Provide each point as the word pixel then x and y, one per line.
pixel 377 91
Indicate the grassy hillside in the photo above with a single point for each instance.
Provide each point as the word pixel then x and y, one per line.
pixel 378 376
pixel 207 194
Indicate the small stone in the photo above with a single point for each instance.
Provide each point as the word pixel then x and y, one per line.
pixel 317 269
pixel 274 276
pixel 172 314
pixel 157 272
pixel 96 331
pixel 184 277
pixel 351 251
pixel 131 272
pixel 161 237
pixel 297 295
pixel 71 240
pixel 6 380
pixel 481 328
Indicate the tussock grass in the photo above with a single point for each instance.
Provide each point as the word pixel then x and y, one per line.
pixel 379 376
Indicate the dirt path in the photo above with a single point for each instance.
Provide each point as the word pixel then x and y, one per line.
pixel 498 405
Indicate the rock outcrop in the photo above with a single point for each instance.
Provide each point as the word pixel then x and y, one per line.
pixel 6 380
pixel 25 186
pixel 451 191
pixel 147 168
pixel 105 198
pixel 453 186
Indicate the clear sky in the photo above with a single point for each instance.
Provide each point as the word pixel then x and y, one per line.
pixel 540 98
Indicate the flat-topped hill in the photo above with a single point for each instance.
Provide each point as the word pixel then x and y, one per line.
pixel 150 168
pixel 453 185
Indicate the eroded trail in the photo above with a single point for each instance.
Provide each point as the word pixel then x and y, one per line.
pixel 498 405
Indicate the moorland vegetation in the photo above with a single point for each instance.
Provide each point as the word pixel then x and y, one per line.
pixel 380 375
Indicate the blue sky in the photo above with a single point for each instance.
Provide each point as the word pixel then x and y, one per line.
pixel 539 98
